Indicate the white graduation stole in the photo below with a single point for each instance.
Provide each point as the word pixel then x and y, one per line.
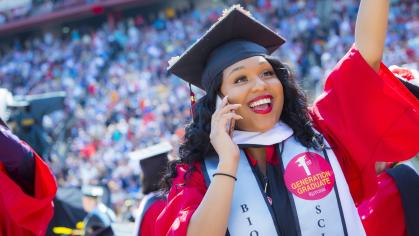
pixel 250 214
pixel 320 197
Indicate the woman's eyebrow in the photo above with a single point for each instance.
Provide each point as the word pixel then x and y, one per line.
pixel 235 69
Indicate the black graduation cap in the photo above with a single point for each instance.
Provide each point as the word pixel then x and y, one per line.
pixel 153 162
pixel 235 36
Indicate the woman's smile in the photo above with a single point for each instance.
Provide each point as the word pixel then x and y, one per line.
pixel 261 104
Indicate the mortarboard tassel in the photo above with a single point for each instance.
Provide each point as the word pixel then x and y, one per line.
pixel 193 99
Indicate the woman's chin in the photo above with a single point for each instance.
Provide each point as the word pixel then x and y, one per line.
pixel 264 129
pixel 259 128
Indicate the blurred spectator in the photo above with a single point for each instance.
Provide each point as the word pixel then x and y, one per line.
pixel 99 217
pixel 25 9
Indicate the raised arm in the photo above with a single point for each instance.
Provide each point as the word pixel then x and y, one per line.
pixel 371 29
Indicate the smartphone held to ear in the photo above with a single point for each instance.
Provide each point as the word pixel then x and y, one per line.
pixel 230 123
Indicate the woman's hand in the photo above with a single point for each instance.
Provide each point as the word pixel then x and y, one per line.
pixel 219 137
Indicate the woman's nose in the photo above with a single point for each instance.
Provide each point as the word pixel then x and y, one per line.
pixel 259 84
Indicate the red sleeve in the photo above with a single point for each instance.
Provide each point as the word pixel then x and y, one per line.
pixel 25 212
pixel 366 117
pixel 383 214
pixel 183 199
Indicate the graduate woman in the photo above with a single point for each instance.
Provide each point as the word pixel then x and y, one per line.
pixel 285 169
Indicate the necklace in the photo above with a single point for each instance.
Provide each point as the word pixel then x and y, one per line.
pixel 265 189
pixel 265 179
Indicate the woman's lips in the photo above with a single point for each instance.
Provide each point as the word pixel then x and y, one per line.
pixel 262 109
pixel 261 104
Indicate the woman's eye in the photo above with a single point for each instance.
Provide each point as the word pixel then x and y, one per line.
pixel 268 73
pixel 240 79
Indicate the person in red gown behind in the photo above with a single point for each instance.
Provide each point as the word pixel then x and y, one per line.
pixel 27 188
pixel 394 209
pixel 153 162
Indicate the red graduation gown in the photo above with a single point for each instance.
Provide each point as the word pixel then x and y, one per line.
pixel 383 213
pixel 364 115
pixel 24 215
pixel 149 221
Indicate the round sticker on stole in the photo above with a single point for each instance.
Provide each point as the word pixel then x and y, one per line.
pixel 309 176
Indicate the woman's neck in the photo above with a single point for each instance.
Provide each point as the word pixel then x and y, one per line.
pixel 259 154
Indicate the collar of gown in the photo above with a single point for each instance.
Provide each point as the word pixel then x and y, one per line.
pixel 277 134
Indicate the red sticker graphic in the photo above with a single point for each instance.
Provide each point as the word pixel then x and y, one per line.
pixel 309 176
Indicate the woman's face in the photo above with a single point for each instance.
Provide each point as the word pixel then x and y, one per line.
pixel 253 83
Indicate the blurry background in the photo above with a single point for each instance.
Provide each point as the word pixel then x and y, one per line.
pixel 109 58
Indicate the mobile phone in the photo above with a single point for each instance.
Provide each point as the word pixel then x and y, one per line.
pixel 230 123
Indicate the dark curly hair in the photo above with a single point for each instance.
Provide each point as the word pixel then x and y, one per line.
pixel 197 142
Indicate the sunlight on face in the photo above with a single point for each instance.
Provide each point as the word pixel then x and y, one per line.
pixel 253 83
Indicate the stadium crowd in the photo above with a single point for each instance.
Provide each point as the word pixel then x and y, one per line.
pixel 120 97
pixel 27 9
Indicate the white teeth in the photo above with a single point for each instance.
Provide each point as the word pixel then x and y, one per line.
pixel 260 102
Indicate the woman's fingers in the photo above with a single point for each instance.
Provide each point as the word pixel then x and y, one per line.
pixel 230 108
pixel 226 109
pixel 225 101
pixel 227 117
pixel 222 115
pixel 219 126
pixel 232 115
